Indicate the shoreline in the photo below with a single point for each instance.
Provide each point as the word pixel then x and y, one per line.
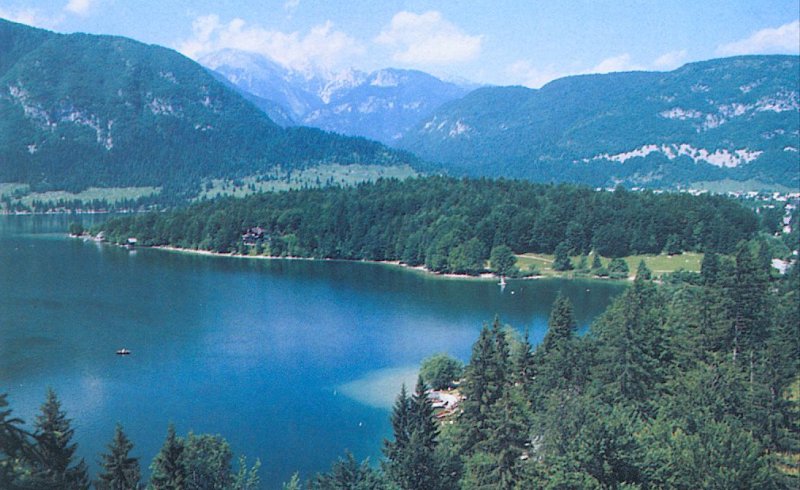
pixel 420 269
pixel 393 263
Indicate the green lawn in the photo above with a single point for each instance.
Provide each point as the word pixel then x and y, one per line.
pixel 110 194
pixel 659 264
pixel 20 194
pixel 321 175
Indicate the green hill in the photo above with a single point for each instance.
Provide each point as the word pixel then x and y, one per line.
pixel 735 118
pixel 79 111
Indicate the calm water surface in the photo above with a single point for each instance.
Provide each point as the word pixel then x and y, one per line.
pixel 292 361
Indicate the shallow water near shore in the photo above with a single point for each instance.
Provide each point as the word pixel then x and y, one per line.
pixel 291 361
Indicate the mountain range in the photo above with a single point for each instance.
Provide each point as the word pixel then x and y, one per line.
pixel 732 122
pixel 725 119
pixel 381 105
pixel 79 111
pixel 82 110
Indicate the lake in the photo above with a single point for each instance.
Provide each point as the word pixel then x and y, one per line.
pixel 291 361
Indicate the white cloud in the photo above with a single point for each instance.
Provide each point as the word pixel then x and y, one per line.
pixel 671 60
pixel 615 64
pixel 523 72
pixel 783 39
pixel 322 46
pixel 80 7
pixel 428 39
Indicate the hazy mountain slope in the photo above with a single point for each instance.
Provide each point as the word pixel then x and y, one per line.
pixel 79 110
pixel 263 78
pixel 380 105
pixel 729 118
pixel 385 105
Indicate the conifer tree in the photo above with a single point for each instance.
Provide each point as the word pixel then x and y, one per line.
pixel 348 474
pixel 560 326
pixel 14 446
pixel 710 269
pixel 561 261
pixel 422 417
pixel 120 470
pixel 411 458
pixel 55 467
pixel 246 478
pixel 632 345
pixel 207 460
pixel 523 366
pixel 506 441
pixel 749 303
pixel 472 420
pixel 643 272
pixel 396 451
pixel 167 468
pixel 499 371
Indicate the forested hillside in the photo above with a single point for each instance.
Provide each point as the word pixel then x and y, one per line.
pixel 685 386
pixel 80 111
pixel 732 118
pixel 446 224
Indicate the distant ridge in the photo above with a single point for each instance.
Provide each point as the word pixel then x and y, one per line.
pixel 734 118
pixel 82 110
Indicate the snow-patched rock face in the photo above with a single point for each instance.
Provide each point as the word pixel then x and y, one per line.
pixel 719 158
pixel 782 101
pixel 50 119
pixel 384 78
pixel 378 105
pixel 456 129
pixel 159 106
pixel 681 114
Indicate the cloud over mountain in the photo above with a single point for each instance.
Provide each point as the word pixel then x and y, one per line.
pixel 784 39
pixel 428 39
pixel 322 46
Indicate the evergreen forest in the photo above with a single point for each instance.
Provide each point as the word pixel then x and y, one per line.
pixel 446 224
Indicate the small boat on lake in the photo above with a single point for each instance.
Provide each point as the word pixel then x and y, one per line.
pixel 123 352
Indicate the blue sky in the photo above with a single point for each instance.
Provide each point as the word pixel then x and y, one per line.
pixel 506 42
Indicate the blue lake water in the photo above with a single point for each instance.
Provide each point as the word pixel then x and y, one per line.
pixel 291 361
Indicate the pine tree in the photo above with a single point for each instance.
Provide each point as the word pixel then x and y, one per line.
pixel 472 421
pixel 120 470
pixel 506 440
pixel 55 468
pixel 411 458
pixel 396 451
pixel 631 347
pixel 348 474
pixel 749 291
pixel 643 272
pixel 560 326
pixel 523 366
pixel 710 269
pixel 167 468
pixel 207 460
pixel 15 446
pixel 561 261
pixel 294 483
pixel 246 478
